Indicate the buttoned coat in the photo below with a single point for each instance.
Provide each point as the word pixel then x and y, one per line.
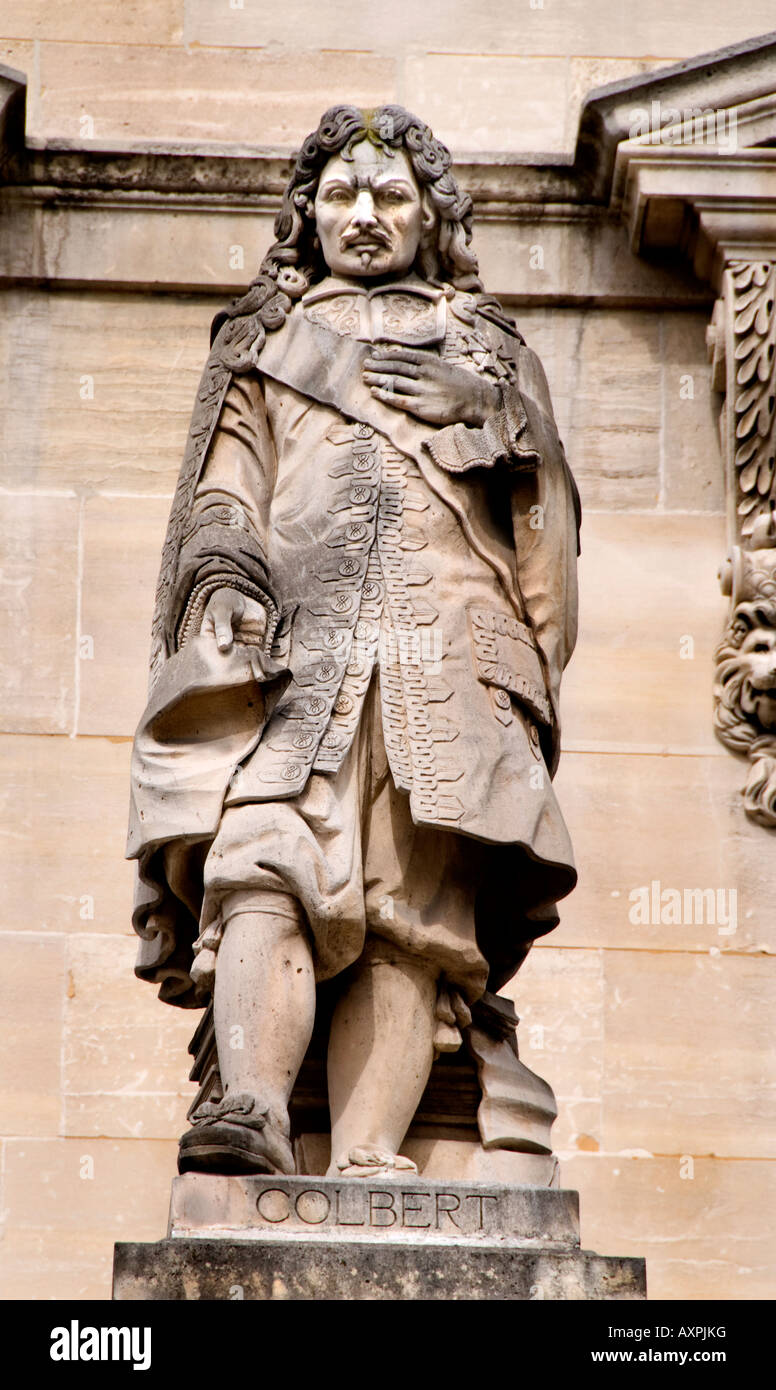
pixel 446 556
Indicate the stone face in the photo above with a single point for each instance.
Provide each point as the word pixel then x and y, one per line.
pixel 174 247
pixel 138 1116
pixel 454 27
pixel 613 433
pixel 631 391
pixel 588 73
pixel 18 54
pixel 213 246
pixel 204 1269
pixel 618 468
pixel 664 30
pixel 63 1201
pixel 541 257
pixel 593 360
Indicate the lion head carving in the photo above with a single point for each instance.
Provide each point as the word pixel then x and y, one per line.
pixel 745 686
pixel 745 675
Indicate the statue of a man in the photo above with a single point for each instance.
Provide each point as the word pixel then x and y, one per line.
pixel 367 599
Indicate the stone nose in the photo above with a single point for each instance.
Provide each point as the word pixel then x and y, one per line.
pixel 763 675
pixel 363 214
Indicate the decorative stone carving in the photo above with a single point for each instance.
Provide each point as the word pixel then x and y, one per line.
pixel 702 184
pixel 342 811
pixel 753 292
pixel 742 342
pixel 745 678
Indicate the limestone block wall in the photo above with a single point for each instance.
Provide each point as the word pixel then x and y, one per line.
pixel 490 76
pixel 654 1034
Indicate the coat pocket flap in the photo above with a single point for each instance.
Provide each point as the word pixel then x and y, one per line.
pixel 505 655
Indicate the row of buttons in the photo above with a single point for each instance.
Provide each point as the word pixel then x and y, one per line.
pixel 358 532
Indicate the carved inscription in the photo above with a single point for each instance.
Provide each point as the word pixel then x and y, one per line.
pixel 379 1208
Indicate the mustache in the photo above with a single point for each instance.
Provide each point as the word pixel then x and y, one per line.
pixel 374 235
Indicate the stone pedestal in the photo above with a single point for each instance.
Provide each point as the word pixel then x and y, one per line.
pixel 325 1238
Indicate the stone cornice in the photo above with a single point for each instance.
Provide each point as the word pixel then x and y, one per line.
pixel 164 215
pixel 741 73
pixel 737 75
pixel 707 206
pixel 207 172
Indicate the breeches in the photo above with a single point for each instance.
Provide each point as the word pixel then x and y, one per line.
pixel 345 858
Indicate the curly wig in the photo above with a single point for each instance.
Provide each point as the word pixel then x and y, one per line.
pixel 294 262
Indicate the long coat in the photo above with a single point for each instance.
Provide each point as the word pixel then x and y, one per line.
pixel 448 555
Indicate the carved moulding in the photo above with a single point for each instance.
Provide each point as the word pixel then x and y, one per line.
pixel 709 197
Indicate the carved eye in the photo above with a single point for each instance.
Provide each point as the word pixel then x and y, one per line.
pixel 761 647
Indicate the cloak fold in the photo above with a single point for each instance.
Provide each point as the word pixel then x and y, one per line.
pixel 206 714
pixel 207 709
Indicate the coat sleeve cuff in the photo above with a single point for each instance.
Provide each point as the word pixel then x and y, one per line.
pixel 191 622
pixel 507 437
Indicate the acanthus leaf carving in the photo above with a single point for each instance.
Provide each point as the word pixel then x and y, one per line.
pixel 753 287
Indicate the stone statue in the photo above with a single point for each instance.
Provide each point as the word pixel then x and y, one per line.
pixel 366 601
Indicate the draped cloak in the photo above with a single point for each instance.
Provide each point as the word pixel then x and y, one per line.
pixel 295 479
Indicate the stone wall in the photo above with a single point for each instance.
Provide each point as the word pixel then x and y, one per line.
pixel 487 76
pixel 654 1036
